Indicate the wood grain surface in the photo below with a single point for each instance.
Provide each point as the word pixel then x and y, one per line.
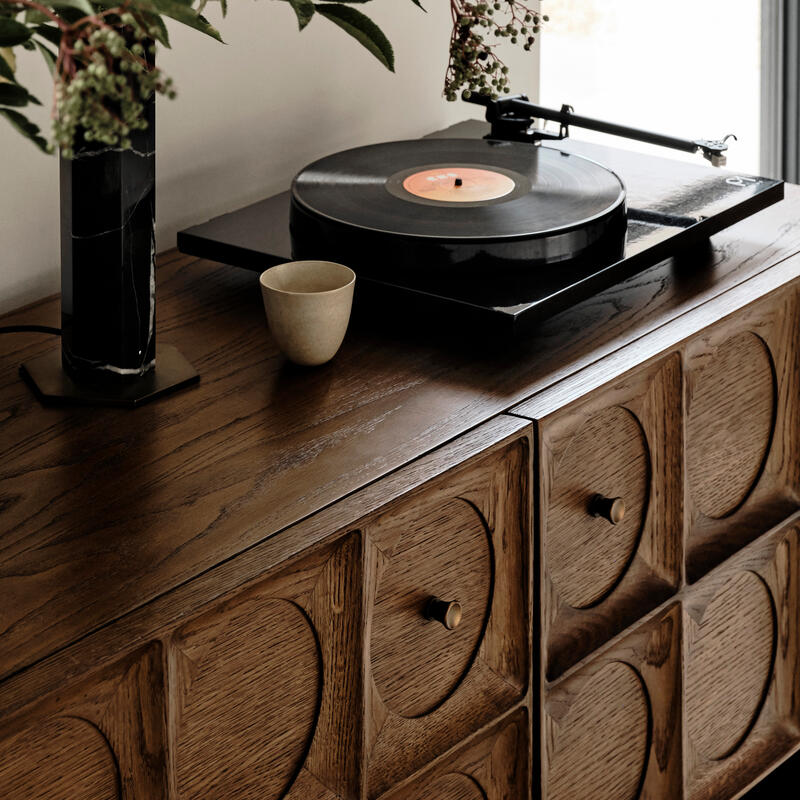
pixel 62 757
pixel 611 728
pixel 742 395
pixel 742 666
pixel 729 418
pixel 728 665
pixel 493 764
pixel 444 552
pixel 464 537
pixel 277 559
pixel 622 439
pixel 247 682
pixel 586 554
pixel 103 738
pixel 103 510
pixel 600 748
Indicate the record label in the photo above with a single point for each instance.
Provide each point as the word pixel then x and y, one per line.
pixel 454 184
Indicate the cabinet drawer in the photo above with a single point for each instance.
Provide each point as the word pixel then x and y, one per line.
pixel 742 666
pixel 102 738
pixel 612 729
pixel 493 767
pixel 742 430
pixel 265 702
pixel 609 470
pixel 449 644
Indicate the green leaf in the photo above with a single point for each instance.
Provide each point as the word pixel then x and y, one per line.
pixel 49 57
pixel 304 10
pixel 6 71
pixel 81 5
pixel 49 32
pixel 361 28
pixel 419 5
pixel 34 17
pixel 13 32
pixel 157 22
pixel 26 128
pixel 12 94
pixel 181 13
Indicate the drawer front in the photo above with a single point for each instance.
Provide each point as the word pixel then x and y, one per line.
pixel 587 553
pixel 449 638
pixel 492 767
pixel 265 686
pixel 100 740
pixel 742 430
pixel 612 729
pixel 610 510
pixel 443 550
pixel 742 666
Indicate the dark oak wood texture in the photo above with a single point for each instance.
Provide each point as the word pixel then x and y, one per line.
pixel 268 684
pixel 742 666
pixel 611 730
pixel 742 429
pixel 464 537
pixel 266 662
pixel 102 511
pixel 621 441
pixel 102 739
pixel 493 765
pixel 258 697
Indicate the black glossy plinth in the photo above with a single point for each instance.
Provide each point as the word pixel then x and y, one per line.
pixel 53 386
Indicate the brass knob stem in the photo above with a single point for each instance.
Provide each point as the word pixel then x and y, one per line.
pixel 610 508
pixel 449 613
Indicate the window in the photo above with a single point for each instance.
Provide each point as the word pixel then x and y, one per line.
pixel 689 69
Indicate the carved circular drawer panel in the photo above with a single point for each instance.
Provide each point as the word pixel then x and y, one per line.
pixel 586 554
pixel 729 424
pixel 729 664
pixel 417 662
pixel 249 689
pixel 600 748
pixel 62 758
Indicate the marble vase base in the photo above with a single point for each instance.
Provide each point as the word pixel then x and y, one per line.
pixel 54 386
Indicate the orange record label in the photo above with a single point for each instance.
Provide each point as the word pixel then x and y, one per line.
pixel 459 184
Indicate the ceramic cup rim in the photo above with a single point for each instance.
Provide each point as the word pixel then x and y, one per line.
pixel 349 274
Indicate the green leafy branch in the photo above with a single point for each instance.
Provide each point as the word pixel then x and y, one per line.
pixel 478 27
pixel 102 56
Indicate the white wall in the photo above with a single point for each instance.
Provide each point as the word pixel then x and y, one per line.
pixel 248 116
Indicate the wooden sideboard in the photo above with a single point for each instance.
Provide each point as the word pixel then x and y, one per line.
pixel 564 568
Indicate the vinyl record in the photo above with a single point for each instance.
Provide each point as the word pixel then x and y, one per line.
pixel 431 205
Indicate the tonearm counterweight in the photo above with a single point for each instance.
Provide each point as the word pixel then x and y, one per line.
pixel 512 119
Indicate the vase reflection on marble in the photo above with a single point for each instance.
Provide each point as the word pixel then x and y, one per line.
pixel 108 258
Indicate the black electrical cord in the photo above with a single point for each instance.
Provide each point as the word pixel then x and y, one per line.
pixel 30 329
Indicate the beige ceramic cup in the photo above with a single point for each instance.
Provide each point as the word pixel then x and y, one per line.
pixel 308 307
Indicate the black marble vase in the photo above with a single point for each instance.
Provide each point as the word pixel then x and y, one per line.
pixel 108 259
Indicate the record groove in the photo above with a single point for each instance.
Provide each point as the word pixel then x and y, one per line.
pixel 429 205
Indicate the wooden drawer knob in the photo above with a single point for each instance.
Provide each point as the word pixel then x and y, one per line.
pixel 610 508
pixel 448 613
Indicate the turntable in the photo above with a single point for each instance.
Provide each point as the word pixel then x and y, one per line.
pixel 495 232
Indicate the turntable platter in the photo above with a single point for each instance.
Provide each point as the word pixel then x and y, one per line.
pixel 433 204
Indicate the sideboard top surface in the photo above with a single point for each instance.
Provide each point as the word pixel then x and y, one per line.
pixel 103 510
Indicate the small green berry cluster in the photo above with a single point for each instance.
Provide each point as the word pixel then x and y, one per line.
pixel 106 74
pixel 474 65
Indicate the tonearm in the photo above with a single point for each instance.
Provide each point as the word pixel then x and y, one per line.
pixel 512 119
